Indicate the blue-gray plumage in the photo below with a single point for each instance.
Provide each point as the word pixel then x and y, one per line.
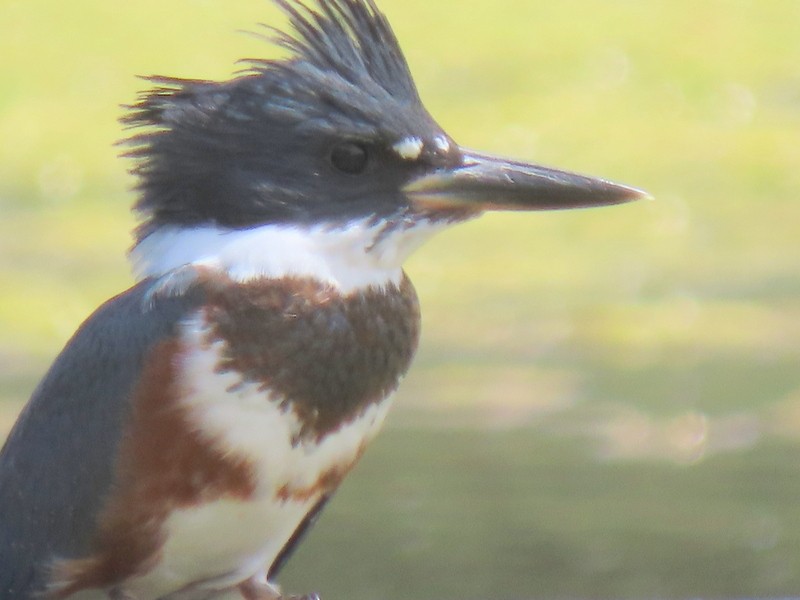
pixel 193 428
pixel 57 465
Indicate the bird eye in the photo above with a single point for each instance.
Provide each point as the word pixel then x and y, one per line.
pixel 350 158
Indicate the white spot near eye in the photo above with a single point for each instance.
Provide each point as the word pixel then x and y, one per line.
pixel 441 143
pixel 409 148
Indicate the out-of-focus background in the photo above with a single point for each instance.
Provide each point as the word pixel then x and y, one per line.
pixel 606 404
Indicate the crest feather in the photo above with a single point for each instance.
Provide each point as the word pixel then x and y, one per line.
pixel 216 151
pixel 350 37
pixel 341 41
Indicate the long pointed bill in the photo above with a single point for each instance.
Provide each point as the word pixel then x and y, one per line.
pixel 485 182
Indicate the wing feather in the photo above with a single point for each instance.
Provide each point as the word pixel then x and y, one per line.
pixel 56 467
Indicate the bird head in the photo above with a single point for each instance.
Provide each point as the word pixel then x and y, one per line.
pixel 331 134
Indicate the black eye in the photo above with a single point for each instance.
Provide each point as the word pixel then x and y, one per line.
pixel 350 158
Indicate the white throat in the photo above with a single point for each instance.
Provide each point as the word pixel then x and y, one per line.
pixel 350 258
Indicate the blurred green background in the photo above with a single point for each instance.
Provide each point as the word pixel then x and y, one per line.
pixel 606 404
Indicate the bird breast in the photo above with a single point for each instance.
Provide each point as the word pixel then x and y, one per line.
pixel 260 406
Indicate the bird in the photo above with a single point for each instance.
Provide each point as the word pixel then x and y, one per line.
pixel 194 427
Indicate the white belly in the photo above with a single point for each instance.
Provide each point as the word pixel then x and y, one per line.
pixel 227 541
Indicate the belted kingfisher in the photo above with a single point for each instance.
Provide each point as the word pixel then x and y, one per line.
pixel 196 424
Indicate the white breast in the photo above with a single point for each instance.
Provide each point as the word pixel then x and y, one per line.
pixel 237 539
pixel 232 538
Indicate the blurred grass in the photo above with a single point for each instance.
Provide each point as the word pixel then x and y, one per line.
pixel 606 403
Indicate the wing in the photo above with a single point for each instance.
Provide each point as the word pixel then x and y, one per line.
pixel 57 465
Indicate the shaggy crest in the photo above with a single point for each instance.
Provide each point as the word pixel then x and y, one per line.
pixel 215 152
